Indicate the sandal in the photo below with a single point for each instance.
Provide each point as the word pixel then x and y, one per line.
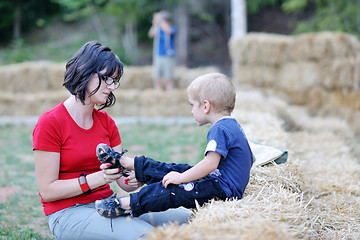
pixel 111 207
pixel 106 154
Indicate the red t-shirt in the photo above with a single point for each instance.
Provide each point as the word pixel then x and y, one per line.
pixel 56 131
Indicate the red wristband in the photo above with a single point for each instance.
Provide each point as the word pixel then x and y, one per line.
pixel 83 184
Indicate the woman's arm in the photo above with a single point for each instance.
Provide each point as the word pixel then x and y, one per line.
pixel 200 170
pixel 52 189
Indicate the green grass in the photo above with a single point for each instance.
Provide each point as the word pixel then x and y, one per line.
pixel 15 234
pixel 21 216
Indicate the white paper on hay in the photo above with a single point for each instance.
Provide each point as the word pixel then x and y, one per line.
pixel 264 154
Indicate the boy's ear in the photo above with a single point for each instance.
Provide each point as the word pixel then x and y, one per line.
pixel 206 106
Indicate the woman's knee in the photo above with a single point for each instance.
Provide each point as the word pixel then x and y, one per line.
pixel 179 215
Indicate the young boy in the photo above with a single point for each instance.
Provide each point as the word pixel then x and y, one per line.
pixel 222 174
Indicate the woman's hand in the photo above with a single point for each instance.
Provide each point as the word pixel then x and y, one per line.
pixel 110 175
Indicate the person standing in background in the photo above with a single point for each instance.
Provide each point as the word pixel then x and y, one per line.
pixel 163 51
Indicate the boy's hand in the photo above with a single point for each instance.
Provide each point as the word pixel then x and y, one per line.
pixel 132 181
pixel 172 178
pixel 156 19
pixel 129 184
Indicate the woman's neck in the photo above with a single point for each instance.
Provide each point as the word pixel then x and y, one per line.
pixel 80 113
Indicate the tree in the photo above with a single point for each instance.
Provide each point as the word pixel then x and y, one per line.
pixel 18 17
pixel 89 8
pixel 182 20
pixel 17 20
pixel 329 15
pixel 128 24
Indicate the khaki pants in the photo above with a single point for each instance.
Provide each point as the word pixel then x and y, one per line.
pixel 163 67
pixel 82 221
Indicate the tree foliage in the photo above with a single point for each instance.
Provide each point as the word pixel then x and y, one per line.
pixel 34 13
pixel 330 15
pixel 255 6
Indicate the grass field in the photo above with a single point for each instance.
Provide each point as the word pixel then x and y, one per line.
pixel 21 215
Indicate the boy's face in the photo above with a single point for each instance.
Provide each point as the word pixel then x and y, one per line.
pixel 198 112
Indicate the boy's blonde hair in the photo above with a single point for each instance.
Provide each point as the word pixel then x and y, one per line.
pixel 215 88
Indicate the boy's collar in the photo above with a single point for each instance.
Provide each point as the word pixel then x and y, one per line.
pixel 225 117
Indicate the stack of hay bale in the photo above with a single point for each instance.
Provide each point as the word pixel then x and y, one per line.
pixel 31 88
pixel 321 70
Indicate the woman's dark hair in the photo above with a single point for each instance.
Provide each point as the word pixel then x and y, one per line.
pixel 88 60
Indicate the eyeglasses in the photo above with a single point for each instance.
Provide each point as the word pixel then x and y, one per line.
pixel 109 81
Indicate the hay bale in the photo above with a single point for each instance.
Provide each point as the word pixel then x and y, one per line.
pixel 340 73
pixel 317 124
pixel 297 76
pixel 31 77
pixel 344 98
pixel 137 77
pixel 140 77
pixel 226 222
pixel 184 76
pixel 273 208
pixel 150 103
pixel 328 59
pixel 256 75
pixel 25 86
pixel 263 127
pixel 318 98
pixel 319 69
pixel 29 104
pixel 323 46
pixel 332 157
pixel 260 49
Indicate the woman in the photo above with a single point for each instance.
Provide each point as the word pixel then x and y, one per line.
pixel 67 168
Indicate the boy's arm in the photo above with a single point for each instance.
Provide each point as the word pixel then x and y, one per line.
pixel 201 169
pixel 166 27
pixel 155 23
pixel 151 32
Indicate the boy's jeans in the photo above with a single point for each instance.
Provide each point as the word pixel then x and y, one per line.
pixel 155 197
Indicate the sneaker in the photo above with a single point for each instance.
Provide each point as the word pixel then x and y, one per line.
pixel 111 208
pixel 106 154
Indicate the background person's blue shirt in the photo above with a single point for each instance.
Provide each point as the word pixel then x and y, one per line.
pixel 227 138
pixel 166 43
